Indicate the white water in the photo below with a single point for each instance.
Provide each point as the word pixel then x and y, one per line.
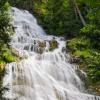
pixel 41 76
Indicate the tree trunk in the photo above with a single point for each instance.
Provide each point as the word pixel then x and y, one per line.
pixel 79 12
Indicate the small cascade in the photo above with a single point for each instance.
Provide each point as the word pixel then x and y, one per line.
pixel 46 73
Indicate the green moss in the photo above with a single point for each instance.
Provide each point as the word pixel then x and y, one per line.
pixel 79 43
pixel 53 45
pixel 83 53
pixel 7 56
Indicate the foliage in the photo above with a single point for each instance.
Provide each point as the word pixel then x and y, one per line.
pixel 5 26
pixel 5 31
pixel 57 17
pixel 89 47
pixel 6 57
pixel 83 48
pixel 23 4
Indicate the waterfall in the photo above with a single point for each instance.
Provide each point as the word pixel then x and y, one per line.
pixel 45 72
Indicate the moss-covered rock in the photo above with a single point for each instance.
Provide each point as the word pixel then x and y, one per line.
pixel 41 46
pixel 53 45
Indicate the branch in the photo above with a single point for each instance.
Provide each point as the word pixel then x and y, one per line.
pixel 79 12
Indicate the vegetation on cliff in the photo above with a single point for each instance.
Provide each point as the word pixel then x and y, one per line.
pixel 5 32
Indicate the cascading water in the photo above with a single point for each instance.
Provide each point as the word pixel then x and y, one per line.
pixel 45 73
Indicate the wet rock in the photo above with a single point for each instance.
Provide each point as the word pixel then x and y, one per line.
pixel 15 52
pixel 19 55
pixel 53 45
pixel 26 47
pixel 62 39
pixel 82 76
pixel 63 49
pixel 42 44
pixel 75 59
pixel 41 47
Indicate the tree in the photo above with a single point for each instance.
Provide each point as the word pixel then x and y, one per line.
pixel 5 26
pixel 57 17
pixel 78 11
